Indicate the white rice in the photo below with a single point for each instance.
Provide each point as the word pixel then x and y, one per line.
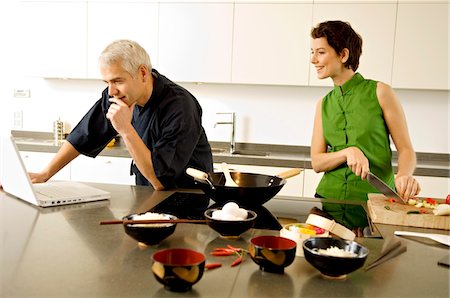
pixel 337 252
pixel 151 216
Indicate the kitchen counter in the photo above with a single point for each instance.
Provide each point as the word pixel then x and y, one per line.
pixel 428 164
pixel 64 252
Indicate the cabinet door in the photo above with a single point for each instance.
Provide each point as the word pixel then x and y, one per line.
pixel 421 56
pixel 109 21
pixel 271 43
pixel 102 169
pixel 195 41
pixel 293 187
pixel 53 39
pixel 376 25
pixel 310 183
pixel 433 187
pixel 37 161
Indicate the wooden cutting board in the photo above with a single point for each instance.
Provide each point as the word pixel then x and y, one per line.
pixel 385 212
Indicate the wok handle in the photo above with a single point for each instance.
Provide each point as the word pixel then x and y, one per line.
pixel 290 173
pixel 197 174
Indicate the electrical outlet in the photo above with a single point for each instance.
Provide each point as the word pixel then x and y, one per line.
pixel 21 93
pixel 18 119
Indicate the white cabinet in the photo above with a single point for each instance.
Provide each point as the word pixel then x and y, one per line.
pixel 271 43
pixel 375 22
pixel 52 39
pixel 311 180
pixel 109 21
pixel 292 188
pixel 195 41
pixel 421 57
pixel 433 187
pixel 102 169
pixel 37 161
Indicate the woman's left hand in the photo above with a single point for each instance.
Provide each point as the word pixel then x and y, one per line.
pixel 407 186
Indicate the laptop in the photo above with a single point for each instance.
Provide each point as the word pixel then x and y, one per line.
pixel 15 181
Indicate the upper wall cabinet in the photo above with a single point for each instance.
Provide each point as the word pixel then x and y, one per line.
pixel 421 57
pixel 271 43
pixel 109 21
pixel 195 41
pixel 375 22
pixel 53 38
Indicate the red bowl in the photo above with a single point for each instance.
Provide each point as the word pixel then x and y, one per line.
pixel 272 253
pixel 178 268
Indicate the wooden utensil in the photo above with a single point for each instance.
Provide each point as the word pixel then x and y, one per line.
pixel 151 221
pixel 228 179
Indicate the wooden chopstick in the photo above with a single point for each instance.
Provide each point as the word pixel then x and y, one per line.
pixel 151 221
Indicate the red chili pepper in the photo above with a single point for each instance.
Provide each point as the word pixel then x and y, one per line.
pixel 221 253
pixel 447 200
pixel 224 249
pixel 233 248
pixel 212 265
pixel 237 261
pixel 431 201
pixel 392 200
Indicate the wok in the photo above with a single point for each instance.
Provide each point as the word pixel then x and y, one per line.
pixel 251 190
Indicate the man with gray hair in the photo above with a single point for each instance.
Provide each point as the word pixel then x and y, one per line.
pixel 158 121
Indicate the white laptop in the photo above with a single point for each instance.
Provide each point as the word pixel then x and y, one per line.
pixel 15 181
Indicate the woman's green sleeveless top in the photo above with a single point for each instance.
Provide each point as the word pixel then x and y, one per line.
pixel 352 116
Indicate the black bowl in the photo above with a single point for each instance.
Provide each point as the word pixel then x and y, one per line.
pixel 149 234
pixel 230 228
pixel 333 266
pixel 178 268
pixel 272 253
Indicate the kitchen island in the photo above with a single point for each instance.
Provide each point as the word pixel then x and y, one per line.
pixel 64 252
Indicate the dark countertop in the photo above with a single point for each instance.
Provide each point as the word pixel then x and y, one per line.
pixel 428 164
pixel 64 252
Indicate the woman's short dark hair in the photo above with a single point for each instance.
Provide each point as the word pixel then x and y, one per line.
pixel 340 35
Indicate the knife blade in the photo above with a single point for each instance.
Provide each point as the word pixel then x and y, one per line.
pixel 383 187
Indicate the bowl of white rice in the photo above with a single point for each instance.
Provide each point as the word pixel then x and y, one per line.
pixel 334 258
pixel 149 234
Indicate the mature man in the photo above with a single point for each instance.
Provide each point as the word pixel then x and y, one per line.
pixel 158 121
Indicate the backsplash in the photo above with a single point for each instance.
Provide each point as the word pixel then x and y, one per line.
pixel 280 115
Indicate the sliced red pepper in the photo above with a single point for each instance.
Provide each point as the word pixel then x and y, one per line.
pixel 447 200
pixel 237 261
pixel 423 211
pixel 212 265
pixel 392 200
pixel 431 201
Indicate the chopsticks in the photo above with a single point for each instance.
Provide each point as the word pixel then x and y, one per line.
pixel 151 221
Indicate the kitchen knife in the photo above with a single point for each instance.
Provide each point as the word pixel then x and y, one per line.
pixel 383 187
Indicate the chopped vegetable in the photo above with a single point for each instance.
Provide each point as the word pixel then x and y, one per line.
pixel 431 201
pixel 392 200
pixel 387 207
pixel 447 200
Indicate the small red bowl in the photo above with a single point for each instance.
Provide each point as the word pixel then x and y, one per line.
pixel 178 268
pixel 272 253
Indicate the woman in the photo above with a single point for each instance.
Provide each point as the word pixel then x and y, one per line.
pixel 352 126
